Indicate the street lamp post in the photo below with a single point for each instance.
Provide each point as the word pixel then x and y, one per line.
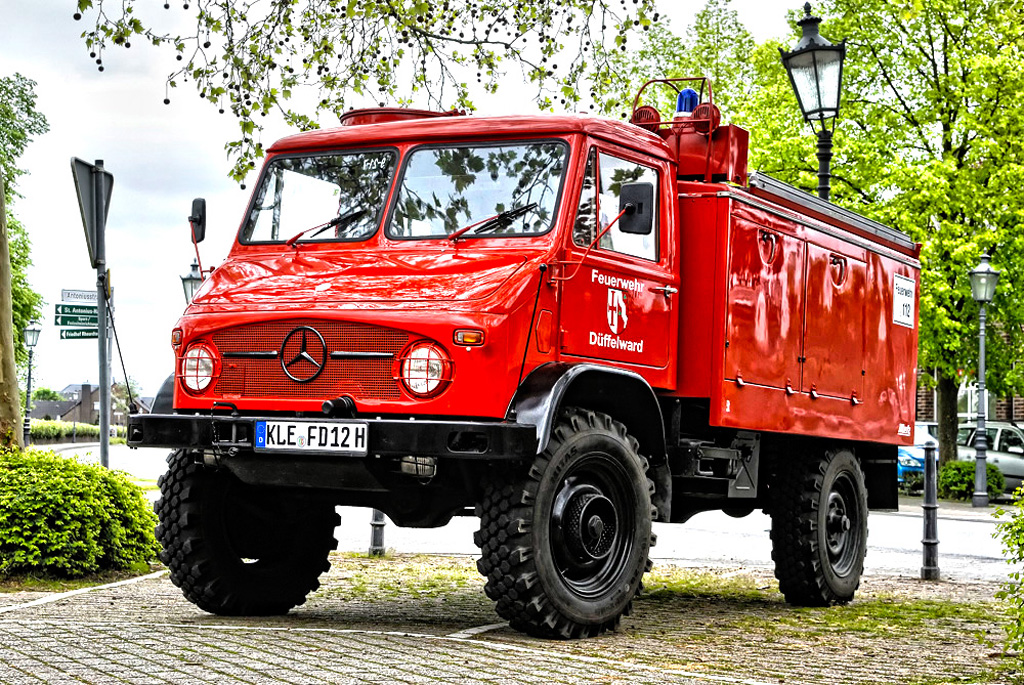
pixel 191 281
pixel 983 288
pixel 31 338
pixel 815 68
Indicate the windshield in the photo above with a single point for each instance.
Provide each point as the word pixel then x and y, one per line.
pixel 302 193
pixel 445 189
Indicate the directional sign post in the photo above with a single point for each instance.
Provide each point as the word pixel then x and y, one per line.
pixel 94 185
pixel 79 333
pixel 64 309
pixel 74 320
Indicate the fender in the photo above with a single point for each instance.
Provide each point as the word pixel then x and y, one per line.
pixel 164 401
pixel 619 393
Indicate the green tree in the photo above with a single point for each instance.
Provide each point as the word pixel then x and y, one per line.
pixel 308 58
pixel 46 394
pixel 122 395
pixel 716 45
pixel 932 144
pixel 19 121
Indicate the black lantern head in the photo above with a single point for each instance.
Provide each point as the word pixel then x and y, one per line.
pixel 815 68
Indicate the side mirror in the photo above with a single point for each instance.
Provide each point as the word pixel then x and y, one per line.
pixel 638 201
pixel 1015 450
pixel 198 220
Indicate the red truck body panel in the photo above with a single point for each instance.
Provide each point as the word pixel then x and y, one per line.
pixel 801 332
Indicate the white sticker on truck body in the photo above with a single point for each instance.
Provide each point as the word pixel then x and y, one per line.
pixel 903 301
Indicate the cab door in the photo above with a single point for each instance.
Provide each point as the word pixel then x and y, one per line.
pixel 619 296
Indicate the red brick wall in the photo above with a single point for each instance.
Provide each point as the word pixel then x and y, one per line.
pixel 925 402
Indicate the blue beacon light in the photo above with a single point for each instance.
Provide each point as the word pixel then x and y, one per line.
pixel 686 102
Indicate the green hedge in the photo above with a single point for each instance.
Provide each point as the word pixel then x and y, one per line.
pixel 956 480
pixel 67 519
pixel 63 430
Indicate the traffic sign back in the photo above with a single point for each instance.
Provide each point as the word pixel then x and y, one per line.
pixel 86 177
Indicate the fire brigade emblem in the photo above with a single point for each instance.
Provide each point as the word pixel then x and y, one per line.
pixel 617 318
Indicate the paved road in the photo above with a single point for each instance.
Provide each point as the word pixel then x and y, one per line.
pixel 967 548
pixel 142 631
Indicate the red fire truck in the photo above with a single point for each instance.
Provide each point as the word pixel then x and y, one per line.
pixel 567 325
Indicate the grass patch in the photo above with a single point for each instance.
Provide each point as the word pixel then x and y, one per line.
pixel 881 617
pixel 144 484
pixel 673 581
pixel 36 582
pixel 363 577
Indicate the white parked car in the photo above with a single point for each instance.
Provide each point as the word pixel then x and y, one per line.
pixel 1005 449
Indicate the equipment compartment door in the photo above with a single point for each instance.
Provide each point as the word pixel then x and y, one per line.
pixel 834 333
pixel 764 320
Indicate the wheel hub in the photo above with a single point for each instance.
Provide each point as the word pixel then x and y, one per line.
pixel 837 524
pixel 587 521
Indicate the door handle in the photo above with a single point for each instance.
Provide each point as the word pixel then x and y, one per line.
pixel 666 290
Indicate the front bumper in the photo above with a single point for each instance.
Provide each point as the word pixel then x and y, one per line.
pixel 231 435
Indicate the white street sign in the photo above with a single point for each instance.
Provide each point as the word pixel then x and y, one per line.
pixel 73 296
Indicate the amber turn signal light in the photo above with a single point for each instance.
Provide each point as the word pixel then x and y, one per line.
pixel 469 336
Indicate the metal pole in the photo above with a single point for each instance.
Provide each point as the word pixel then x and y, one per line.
pixel 980 498
pixel 28 399
pixel 377 533
pixel 930 567
pixel 100 198
pixel 824 162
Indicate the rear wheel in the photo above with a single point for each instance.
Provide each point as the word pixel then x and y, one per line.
pixel 819 528
pixel 565 547
pixel 238 550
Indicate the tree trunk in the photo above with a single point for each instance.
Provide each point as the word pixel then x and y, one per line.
pixel 947 389
pixel 10 400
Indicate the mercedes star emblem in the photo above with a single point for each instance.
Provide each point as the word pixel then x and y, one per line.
pixel 303 354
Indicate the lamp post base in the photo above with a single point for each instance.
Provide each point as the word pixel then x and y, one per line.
pixel 979 499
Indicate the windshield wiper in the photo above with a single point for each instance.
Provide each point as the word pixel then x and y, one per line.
pixel 495 222
pixel 341 220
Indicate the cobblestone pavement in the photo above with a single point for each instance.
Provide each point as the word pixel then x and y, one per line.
pixel 420 619
pixel 145 632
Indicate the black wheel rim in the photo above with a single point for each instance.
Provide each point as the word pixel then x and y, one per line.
pixel 842 525
pixel 593 525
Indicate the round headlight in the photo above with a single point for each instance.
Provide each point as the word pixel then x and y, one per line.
pixel 198 367
pixel 425 369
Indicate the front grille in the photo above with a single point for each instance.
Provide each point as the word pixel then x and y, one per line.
pixel 257 376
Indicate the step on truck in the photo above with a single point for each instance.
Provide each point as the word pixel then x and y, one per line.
pixel 568 326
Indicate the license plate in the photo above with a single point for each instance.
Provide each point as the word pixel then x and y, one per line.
pixel 343 437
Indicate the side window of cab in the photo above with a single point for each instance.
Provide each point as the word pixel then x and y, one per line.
pixel 599 205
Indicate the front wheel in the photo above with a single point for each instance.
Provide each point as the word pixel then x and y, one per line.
pixel 564 548
pixel 238 550
pixel 819 528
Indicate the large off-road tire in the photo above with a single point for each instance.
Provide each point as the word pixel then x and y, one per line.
pixel 238 550
pixel 564 547
pixel 819 528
